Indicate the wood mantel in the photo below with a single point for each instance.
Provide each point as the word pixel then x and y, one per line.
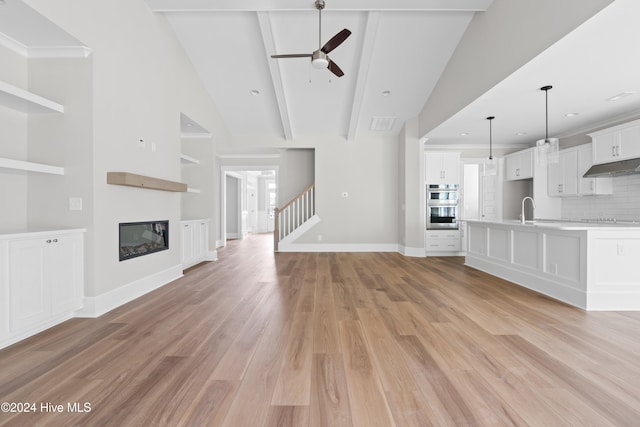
pixel 141 181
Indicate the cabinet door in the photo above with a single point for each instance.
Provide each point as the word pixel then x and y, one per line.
pixel 605 147
pixel 187 243
pixel 569 162
pixel 519 166
pixel 442 168
pixel 629 143
pixel 29 297
pixel 450 168
pixel 590 186
pixel 554 179
pixel 63 269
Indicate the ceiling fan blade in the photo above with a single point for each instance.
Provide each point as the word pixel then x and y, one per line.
pixel 293 55
pixel 336 41
pixel 333 67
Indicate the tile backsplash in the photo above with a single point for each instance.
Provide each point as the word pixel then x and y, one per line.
pixel 623 204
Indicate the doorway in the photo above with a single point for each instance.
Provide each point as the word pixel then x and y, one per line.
pixel 249 195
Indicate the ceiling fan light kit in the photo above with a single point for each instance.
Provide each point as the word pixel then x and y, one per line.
pixel 320 58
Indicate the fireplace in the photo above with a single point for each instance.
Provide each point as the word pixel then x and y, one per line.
pixel 143 238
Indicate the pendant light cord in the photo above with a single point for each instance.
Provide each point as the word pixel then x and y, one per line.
pixel 490 137
pixel 546 111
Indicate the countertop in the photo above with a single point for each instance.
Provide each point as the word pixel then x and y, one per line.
pixel 37 232
pixel 565 224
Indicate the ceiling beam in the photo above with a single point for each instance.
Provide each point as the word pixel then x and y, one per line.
pixel 338 5
pixel 276 76
pixel 366 53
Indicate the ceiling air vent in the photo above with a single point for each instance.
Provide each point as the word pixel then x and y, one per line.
pixel 382 124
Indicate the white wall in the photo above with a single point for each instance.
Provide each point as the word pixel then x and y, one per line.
pixel 142 81
pixel 623 204
pixel 13 145
pixel 498 42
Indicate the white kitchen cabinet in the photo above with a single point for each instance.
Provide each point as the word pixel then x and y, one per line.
pixel 195 248
pixel 519 165
pixel 442 241
pixel 590 186
pixel 442 167
pixel 42 283
pixel 616 143
pixel 563 176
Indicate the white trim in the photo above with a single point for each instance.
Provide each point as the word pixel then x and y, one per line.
pixel 101 304
pixel 211 255
pixel 340 247
pixel 295 234
pixel 59 52
pixel 412 252
pixel 35 330
pixel 536 282
pixel 250 156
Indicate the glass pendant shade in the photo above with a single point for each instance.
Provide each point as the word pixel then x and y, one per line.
pixel 490 167
pixel 547 149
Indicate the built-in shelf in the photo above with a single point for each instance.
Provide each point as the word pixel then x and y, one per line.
pixel 189 159
pixel 21 100
pixel 193 190
pixel 141 181
pixel 19 165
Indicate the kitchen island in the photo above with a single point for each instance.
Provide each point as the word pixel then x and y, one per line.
pixel 594 266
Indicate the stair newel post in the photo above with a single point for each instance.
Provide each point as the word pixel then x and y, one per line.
pixel 276 229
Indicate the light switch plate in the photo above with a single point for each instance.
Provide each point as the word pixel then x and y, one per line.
pixel 75 203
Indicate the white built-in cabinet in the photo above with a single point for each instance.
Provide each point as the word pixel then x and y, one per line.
pixel 519 165
pixel 590 186
pixel 565 178
pixel 195 235
pixel 616 143
pixel 24 101
pixel 442 241
pixel 442 167
pixel 41 281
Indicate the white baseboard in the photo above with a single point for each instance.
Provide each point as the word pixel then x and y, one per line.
pixel 412 252
pixel 339 247
pixel 101 304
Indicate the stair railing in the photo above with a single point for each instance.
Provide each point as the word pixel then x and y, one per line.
pixel 293 214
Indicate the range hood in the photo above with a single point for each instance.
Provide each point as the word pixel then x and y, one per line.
pixel 624 167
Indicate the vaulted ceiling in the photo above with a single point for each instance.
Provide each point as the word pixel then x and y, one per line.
pixel 391 62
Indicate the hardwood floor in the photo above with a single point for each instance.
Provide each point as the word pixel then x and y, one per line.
pixel 331 339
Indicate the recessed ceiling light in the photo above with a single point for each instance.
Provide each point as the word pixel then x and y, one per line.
pixel 521 133
pixel 255 92
pixel 572 114
pixel 386 92
pixel 620 96
pixel 189 124
pixel 464 134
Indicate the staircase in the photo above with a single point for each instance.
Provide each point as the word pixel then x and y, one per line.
pixel 294 218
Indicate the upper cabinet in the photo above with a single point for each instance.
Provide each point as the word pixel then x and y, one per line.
pixel 442 167
pixel 616 143
pixel 590 186
pixel 565 178
pixel 519 165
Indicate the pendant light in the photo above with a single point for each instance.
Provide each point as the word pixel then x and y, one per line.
pixel 547 149
pixel 491 164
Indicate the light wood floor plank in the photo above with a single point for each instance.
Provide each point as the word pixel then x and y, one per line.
pixel 332 339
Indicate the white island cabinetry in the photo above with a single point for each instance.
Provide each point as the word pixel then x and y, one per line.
pixel 591 266
pixel 41 283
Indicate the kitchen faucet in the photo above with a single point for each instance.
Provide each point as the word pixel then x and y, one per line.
pixel 522 213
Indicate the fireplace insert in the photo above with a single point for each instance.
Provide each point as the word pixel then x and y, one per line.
pixel 143 238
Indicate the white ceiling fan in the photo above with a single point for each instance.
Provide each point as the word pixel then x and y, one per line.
pixel 320 58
